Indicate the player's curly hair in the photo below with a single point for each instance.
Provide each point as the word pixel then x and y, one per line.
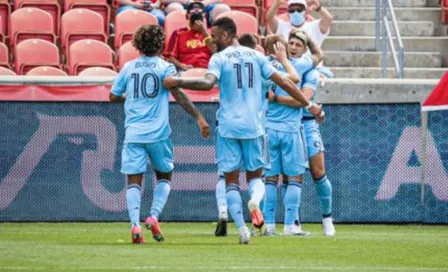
pixel 149 40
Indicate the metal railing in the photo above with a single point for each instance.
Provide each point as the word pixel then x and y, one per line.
pixel 388 38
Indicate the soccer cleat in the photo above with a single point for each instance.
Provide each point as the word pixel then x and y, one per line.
pixel 269 232
pixel 255 214
pixel 137 235
pixel 221 227
pixel 244 236
pixel 328 226
pixel 294 230
pixel 153 225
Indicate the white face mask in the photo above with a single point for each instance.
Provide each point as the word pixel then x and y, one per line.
pixel 297 18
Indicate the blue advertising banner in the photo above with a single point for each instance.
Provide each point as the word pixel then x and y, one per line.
pixel 61 162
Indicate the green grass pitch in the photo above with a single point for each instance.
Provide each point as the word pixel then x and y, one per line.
pixel 193 247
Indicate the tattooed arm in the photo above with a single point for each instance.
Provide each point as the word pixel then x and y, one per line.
pixel 194 83
pixel 185 102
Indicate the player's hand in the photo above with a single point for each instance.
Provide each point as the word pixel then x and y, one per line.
pixel 321 118
pixel 204 127
pixel 280 52
pixel 170 82
pixel 313 4
pixel 271 96
pixel 315 110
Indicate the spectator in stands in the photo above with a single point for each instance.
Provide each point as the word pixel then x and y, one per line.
pixel 152 6
pixel 212 7
pixel 318 30
pixel 191 46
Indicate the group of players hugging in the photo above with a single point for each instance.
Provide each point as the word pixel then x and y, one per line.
pixel 267 122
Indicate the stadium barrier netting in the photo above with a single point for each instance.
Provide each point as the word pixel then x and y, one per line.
pixel 60 161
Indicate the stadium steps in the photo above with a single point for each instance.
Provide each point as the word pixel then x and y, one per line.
pixel 373 59
pixel 375 72
pixel 350 49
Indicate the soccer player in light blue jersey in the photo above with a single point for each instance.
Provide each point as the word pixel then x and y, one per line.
pixel 240 137
pixel 315 147
pixel 146 104
pixel 286 145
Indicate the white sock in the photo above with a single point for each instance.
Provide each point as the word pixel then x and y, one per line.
pixel 256 190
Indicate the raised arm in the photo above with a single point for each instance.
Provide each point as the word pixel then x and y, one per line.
pixel 198 83
pixel 327 18
pixel 184 101
pixel 271 15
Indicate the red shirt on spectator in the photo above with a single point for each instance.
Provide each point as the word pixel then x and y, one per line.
pixel 188 47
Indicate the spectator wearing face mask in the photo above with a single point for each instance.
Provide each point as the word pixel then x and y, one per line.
pixel 191 46
pixel 318 30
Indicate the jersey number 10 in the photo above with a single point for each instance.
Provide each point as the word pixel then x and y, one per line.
pixel 250 68
pixel 142 86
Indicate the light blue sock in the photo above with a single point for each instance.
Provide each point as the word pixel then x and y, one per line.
pixel 256 189
pixel 283 191
pixel 235 204
pixel 161 192
pixel 292 201
pixel 271 202
pixel 324 192
pixel 133 200
pixel 221 198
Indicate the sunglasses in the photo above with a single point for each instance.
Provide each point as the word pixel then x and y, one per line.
pixel 292 10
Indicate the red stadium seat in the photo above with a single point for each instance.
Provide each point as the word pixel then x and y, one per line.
pixel 33 53
pixel 99 6
pixel 50 6
pixel 126 53
pixel 2 35
pixel 4 56
pixel 247 6
pixel 89 53
pixel 246 23
pixel 127 22
pixel 6 72
pixel 98 71
pixel 31 23
pixel 5 12
pixel 46 71
pixel 79 24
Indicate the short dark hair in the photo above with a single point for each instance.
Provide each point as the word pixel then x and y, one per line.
pixel 248 40
pixel 227 25
pixel 149 40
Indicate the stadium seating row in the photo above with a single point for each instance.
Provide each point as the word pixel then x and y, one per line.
pixel 82 54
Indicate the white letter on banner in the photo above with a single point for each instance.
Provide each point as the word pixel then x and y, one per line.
pixel 398 172
pixel 93 161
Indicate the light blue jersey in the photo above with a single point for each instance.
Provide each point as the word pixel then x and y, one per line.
pixel 240 72
pixel 281 117
pixel 147 101
pixel 310 80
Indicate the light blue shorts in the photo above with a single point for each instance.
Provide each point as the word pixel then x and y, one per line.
pixel 313 138
pixel 288 153
pixel 231 154
pixel 134 158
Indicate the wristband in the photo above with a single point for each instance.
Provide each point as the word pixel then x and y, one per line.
pixel 319 8
pixel 275 98
pixel 307 107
